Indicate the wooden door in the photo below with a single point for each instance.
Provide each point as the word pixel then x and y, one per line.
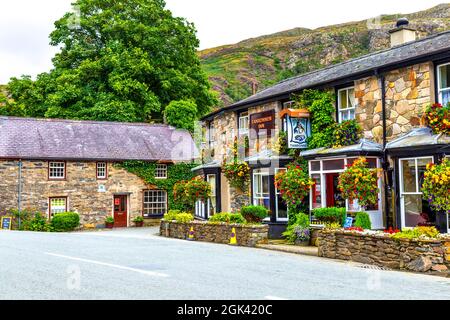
pixel 120 211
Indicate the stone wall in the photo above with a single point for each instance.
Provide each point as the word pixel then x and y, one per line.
pixel 420 256
pixel 81 188
pixel 247 236
pixel 408 91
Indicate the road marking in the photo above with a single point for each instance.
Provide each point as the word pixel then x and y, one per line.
pixel 274 298
pixel 146 272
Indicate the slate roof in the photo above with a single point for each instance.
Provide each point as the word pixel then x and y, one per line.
pixel 418 137
pixel 392 57
pixel 29 138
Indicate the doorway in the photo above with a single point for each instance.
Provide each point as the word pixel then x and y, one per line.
pixel 334 196
pixel 120 211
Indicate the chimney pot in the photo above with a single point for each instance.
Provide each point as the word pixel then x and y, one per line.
pixel 402 33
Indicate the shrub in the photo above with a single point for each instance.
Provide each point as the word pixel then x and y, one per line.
pixel 333 225
pixel 254 213
pixel 138 219
pixel 362 220
pixel 301 219
pixel 184 217
pixel 302 234
pixel 298 228
pixel 330 215
pixel 171 215
pixel 232 218
pixel 37 223
pixel 186 193
pixel 66 221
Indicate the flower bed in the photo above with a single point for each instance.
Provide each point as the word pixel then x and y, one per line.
pixel 379 248
pixel 246 235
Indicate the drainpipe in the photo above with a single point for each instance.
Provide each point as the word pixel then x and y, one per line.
pixel 385 166
pixel 19 192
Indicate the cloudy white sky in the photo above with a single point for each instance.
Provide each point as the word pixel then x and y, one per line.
pixel 26 24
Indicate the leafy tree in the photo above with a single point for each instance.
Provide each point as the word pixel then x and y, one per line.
pixel 122 61
pixel 181 114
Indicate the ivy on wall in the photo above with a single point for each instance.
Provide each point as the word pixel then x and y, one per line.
pixel 175 173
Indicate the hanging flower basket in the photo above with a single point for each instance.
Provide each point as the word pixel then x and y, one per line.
pixel 238 174
pixel 438 118
pixel 436 185
pixel 360 183
pixel 293 184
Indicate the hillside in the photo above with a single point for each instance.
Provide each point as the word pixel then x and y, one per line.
pixel 265 60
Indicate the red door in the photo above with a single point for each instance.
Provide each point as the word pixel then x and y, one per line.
pixel 330 177
pixel 120 211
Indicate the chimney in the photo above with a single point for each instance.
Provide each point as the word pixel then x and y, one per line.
pixel 254 87
pixel 402 33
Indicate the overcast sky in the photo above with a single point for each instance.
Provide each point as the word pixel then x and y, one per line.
pixel 26 24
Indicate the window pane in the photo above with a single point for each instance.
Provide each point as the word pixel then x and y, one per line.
pixel 316 192
pixel 409 175
pixel 155 202
pixel 417 211
pixel 265 184
pixel 315 165
pixel 444 74
pixel 343 99
pixel 351 114
pixel 351 98
pixel 422 167
pixel 333 164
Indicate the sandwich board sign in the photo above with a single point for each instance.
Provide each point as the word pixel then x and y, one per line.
pixel 6 223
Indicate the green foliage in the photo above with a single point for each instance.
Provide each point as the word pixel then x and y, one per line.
pixel 181 114
pixel 333 225
pixel 171 215
pixel 347 133
pixel 66 221
pixel 138 219
pixel 321 106
pixel 297 227
pixel 416 233
pixel 330 215
pixel 362 220
pixel 237 174
pixel 175 172
pixel 254 213
pixel 37 223
pixel 109 219
pixel 184 217
pixel 231 218
pixel 187 193
pixel 125 61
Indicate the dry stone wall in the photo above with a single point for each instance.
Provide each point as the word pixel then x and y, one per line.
pixel 431 256
pixel 247 236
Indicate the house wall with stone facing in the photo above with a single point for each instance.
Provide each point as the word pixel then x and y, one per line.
pixel 80 187
pixel 408 91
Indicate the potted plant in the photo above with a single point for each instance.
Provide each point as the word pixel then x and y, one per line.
pixel 109 222
pixel 302 236
pixel 254 214
pixel 138 221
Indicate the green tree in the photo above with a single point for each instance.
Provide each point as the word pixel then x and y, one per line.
pixel 181 114
pixel 122 61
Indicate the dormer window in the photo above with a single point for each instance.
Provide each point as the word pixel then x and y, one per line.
pixel 243 123
pixel 346 104
pixel 161 171
pixel 444 84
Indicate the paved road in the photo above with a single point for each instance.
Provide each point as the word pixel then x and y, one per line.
pixel 137 264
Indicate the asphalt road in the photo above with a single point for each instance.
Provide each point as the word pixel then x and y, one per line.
pixel 137 264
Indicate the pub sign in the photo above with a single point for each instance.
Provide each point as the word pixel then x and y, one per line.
pixel 298 132
pixel 262 123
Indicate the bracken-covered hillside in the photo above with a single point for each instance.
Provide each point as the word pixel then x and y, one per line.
pixel 233 69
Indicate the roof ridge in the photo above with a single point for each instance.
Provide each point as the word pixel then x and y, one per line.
pixel 86 121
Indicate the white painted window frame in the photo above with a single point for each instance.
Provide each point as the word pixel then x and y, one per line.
pixel 402 193
pixel 441 90
pixel 341 110
pixel 66 205
pixel 153 202
pixel 244 123
pixel 213 194
pixel 62 165
pixel 161 171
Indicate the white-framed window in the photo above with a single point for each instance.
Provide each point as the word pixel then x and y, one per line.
pixel 57 170
pixel 289 105
pixel 346 104
pixel 161 171
pixel 212 201
pixel 57 205
pixel 211 135
pixel 443 72
pixel 155 202
pixel 243 123
pixel 102 170
pixel 414 210
pixel 261 193
pixel 280 206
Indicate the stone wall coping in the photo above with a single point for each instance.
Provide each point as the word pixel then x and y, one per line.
pixel 381 236
pixel 235 225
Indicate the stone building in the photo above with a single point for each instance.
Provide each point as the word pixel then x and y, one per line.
pixel 53 166
pixel 385 91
